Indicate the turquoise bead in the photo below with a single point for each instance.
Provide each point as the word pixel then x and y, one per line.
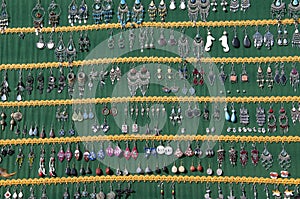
pixel 295 2
pixel 278 3
pixel 227 116
pixel 233 117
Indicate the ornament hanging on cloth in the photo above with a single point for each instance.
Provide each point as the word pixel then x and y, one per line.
pixel 137 12
pixel 123 13
pixel 54 13
pixel 38 14
pixel 3 17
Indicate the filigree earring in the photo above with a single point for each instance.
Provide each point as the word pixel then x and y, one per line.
pixel 193 10
pixel 82 12
pixel 204 6
pixel 72 13
pixel 296 37
pixel 138 12
pixel 123 13
pixel 152 11
pixel 294 78
pixel 162 10
pixel 258 39
pixel 54 13
pixel 278 9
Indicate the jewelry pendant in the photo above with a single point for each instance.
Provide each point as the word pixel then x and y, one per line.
pixel 268 39
pixel 278 9
pixel 296 37
pixel 138 12
pixel 258 39
pixel 4 17
pixel 204 6
pixel 294 78
pixel 266 158
pixel 243 155
pixel 271 121
pixel 283 120
pixel 284 159
pixel 209 41
pixel 152 11
pixel 37 14
pixel 193 10
pixel 232 156
pixel 162 10
pixel 123 13
pixel 234 5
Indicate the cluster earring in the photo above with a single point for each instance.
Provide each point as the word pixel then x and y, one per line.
pixel 258 39
pixel 123 13
pixel 37 14
pixel 4 17
pixel 294 78
pixel 115 74
pixel 54 13
pixel 296 37
pixel 271 120
pixel 137 12
pixel 260 77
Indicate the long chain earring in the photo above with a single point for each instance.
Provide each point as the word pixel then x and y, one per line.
pixel 37 14
pixel 4 17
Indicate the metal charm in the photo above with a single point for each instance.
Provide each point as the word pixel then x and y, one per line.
pixel 266 158
pixel 284 159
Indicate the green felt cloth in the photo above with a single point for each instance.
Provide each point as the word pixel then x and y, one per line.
pixel 16 50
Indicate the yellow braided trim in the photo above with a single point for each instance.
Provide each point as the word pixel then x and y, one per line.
pixel 152 60
pixel 225 138
pixel 155 24
pixel 164 99
pixel 151 178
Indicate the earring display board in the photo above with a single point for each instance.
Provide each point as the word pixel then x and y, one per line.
pixel 147 98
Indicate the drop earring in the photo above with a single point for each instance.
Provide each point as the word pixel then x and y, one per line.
pixel 50 44
pixel 4 17
pixel 258 39
pixel 54 13
pixel 247 42
pixel 234 5
pixel 283 120
pixel 37 14
pixel 235 41
pixel 40 44
pixel 296 37
pixel 162 10
pixel 278 9
pixel 224 41
pixel 268 38
pixel 152 11
pixel 209 41
pixel 82 14
pixel 233 116
pixel 214 5
pixel 193 10
pixel 245 4
pixel 294 78
pixel 271 121
pixel 72 13
pixel 260 77
pixel 269 77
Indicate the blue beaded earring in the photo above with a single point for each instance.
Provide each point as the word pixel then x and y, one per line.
pixel 227 116
pixel 233 116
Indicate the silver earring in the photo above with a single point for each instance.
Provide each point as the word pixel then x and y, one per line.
pixel 182 5
pixel 266 158
pixel 183 45
pixel 131 38
pixel 294 8
pixel 204 6
pixel 269 78
pixel 278 9
pixel 72 13
pixel 268 38
pixel 198 45
pixel 54 13
pixel 4 17
pixel 60 50
pixel 193 10
pixel 209 41
pixel 137 12
pixel 172 41
pixel 152 11
pixel 50 44
pixel 260 77
pixel 245 4
pixel 40 44
pixel 123 13
pixel 234 5
pixel 214 5
pixel 37 14
pixel 296 37
pixel 294 78
pixel 258 39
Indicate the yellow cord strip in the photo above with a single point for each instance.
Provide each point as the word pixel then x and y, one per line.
pixel 163 99
pixel 152 60
pixel 151 178
pixel 224 138
pixel 183 24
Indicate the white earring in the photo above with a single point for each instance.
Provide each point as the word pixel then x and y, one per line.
pixel 209 41
pixel 224 42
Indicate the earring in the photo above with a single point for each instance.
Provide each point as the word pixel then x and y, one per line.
pixel 60 50
pixel 4 17
pixel 247 42
pixel 296 37
pixel 233 76
pixel 269 77
pixel 71 49
pixel 54 13
pixel 294 78
pixel 260 116
pixel 234 5
pixel 107 6
pixel 162 41
pixel 97 11
pixel 123 13
pixel 40 44
pixel 235 41
pixel 278 9
pixel 260 77
pixel 209 41
pixel 254 155
pixel 82 14
pixel 211 75
pixel 50 44
pixel 152 11
pixel 268 38
pixel 61 81
pixel 137 12
pixel 183 45
pixel 244 115
pixel 232 156
pixel 37 14
pixel 198 45
pixel 72 13
pixel 233 116
pixel 214 5
pixel 29 83
pixel 162 10
pixel 193 10
pixel 182 5
pixel 20 87
pixel 283 120
pixel 172 5
pixel 204 9
pixel 121 41
pixel 294 8
pixel 243 155
pixel 284 159
pixel 258 39
pixel 245 4
pixel 271 120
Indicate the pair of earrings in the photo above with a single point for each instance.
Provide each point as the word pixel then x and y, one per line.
pixel 236 42
pixel 176 116
pixel 231 118
pixel 162 190
pixel 79 13
pixel 65 53
pixel 223 39
pixel 161 10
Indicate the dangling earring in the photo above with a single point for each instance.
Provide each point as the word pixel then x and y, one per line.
pixel 247 42
pixel 40 44
pixel 97 11
pixel 269 77
pixel 204 9
pixel 82 12
pixel 138 12
pixel 123 13
pixel 294 8
pixel 296 37
pixel 294 78
pixel 4 17
pixel 227 116
pixel 198 45
pixel 60 50
pixel 71 49
pixel 278 9
pixel 258 39
pixel 214 5
pixel 268 38
pixel 20 87
pixel 271 121
pixel 37 14
pixel 209 41
pixel 234 5
pixel 107 6
pixel 260 77
pixel 182 5
pixel 162 10
pixel 50 44
pixel 193 10
pixel 294 114
pixel 235 41
pixel 283 120
pixel 233 116
pixel 54 13
pixel 152 11
pixel 72 15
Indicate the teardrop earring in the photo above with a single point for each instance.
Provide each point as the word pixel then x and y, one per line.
pixel 235 41
pixel 40 44
pixel 233 116
pixel 50 44
pixel 227 116
pixel 247 42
